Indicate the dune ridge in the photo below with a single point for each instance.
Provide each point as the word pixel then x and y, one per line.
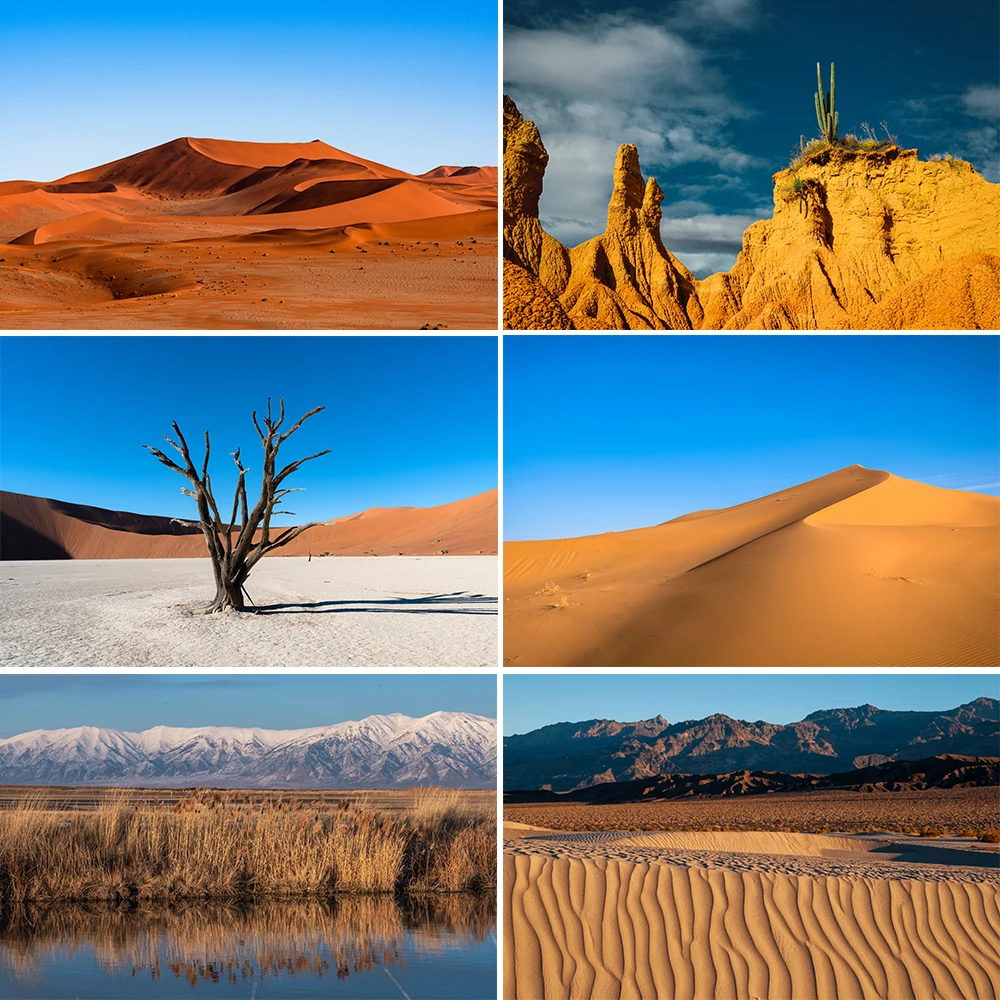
pixel 39 528
pixel 624 918
pixel 858 567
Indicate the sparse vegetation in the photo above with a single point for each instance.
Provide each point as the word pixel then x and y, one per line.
pixel 828 119
pixel 234 845
pixel 954 811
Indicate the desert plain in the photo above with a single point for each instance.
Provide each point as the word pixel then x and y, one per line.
pixel 215 234
pixel 856 568
pixel 388 586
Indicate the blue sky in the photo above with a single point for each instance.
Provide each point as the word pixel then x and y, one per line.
pixel 410 85
pixel 715 94
pixel 134 702
pixel 410 420
pixel 604 433
pixel 533 701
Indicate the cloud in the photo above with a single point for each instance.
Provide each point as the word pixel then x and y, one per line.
pixel 592 85
pixel 701 265
pixel 708 233
pixel 983 101
pixel 942 123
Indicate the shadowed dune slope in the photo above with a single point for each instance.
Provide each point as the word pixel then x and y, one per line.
pixel 38 528
pixel 858 567
pixel 642 917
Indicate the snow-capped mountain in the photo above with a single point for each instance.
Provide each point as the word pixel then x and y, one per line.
pixel 450 749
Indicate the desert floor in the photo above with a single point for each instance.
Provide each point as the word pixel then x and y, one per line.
pixel 349 282
pixel 962 811
pixel 749 915
pixel 396 611
pixel 856 568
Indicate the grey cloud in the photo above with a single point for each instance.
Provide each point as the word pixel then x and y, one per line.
pixel 590 86
pixel 982 101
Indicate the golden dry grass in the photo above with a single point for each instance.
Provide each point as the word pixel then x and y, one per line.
pixel 226 845
pixel 959 811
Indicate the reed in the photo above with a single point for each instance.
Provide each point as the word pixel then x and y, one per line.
pixel 224 845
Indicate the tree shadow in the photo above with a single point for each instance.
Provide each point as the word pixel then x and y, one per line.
pixel 455 603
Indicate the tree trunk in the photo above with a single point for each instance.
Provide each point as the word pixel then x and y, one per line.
pixel 228 597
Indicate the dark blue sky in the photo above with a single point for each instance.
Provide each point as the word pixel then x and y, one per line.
pixel 715 94
pixel 134 702
pixel 605 433
pixel 530 702
pixel 410 85
pixel 410 420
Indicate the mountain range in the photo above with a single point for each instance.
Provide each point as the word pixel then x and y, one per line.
pixel 576 755
pixel 447 749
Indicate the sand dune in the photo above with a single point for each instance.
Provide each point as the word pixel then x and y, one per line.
pixel 859 567
pixel 179 208
pixel 38 528
pixel 782 917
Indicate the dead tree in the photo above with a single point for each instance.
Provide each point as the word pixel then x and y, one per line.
pixel 232 547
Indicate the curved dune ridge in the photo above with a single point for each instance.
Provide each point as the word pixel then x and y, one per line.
pixel 856 568
pixel 653 916
pixel 38 528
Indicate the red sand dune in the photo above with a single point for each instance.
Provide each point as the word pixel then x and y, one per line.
pixel 38 528
pixel 176 209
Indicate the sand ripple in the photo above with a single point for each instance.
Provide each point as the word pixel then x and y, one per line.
pixel 613 915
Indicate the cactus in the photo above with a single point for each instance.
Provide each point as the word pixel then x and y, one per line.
pixel 799 187
pixel 826 115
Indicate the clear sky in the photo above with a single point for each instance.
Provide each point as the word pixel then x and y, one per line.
pixel 407 84
pixel 533 701
pixel 411 421
pixel 604 433
pixel 134 702
pixel 715 94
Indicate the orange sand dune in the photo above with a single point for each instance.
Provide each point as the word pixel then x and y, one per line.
pixel 857 568
pixel 139 211
pixel 37 528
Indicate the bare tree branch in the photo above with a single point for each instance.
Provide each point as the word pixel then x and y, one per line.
pixel 232 563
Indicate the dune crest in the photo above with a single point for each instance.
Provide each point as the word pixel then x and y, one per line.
pixel 858 240
pixel 858 567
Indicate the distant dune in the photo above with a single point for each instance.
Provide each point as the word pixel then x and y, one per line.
pixel 163 227
pixel 859 567
pixel 38 528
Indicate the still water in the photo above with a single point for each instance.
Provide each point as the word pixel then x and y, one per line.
pixel 359 947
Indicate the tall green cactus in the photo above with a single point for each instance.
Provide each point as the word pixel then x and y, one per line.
pixel 827 117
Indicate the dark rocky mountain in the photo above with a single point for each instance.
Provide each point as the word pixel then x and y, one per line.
pixel 570 755
pixel 942 771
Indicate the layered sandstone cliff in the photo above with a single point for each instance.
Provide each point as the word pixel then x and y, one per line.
pixel 859 240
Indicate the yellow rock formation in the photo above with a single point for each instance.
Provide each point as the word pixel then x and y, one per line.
pixel 866 240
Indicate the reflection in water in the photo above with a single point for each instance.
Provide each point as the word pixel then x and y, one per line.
pixel 206 943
